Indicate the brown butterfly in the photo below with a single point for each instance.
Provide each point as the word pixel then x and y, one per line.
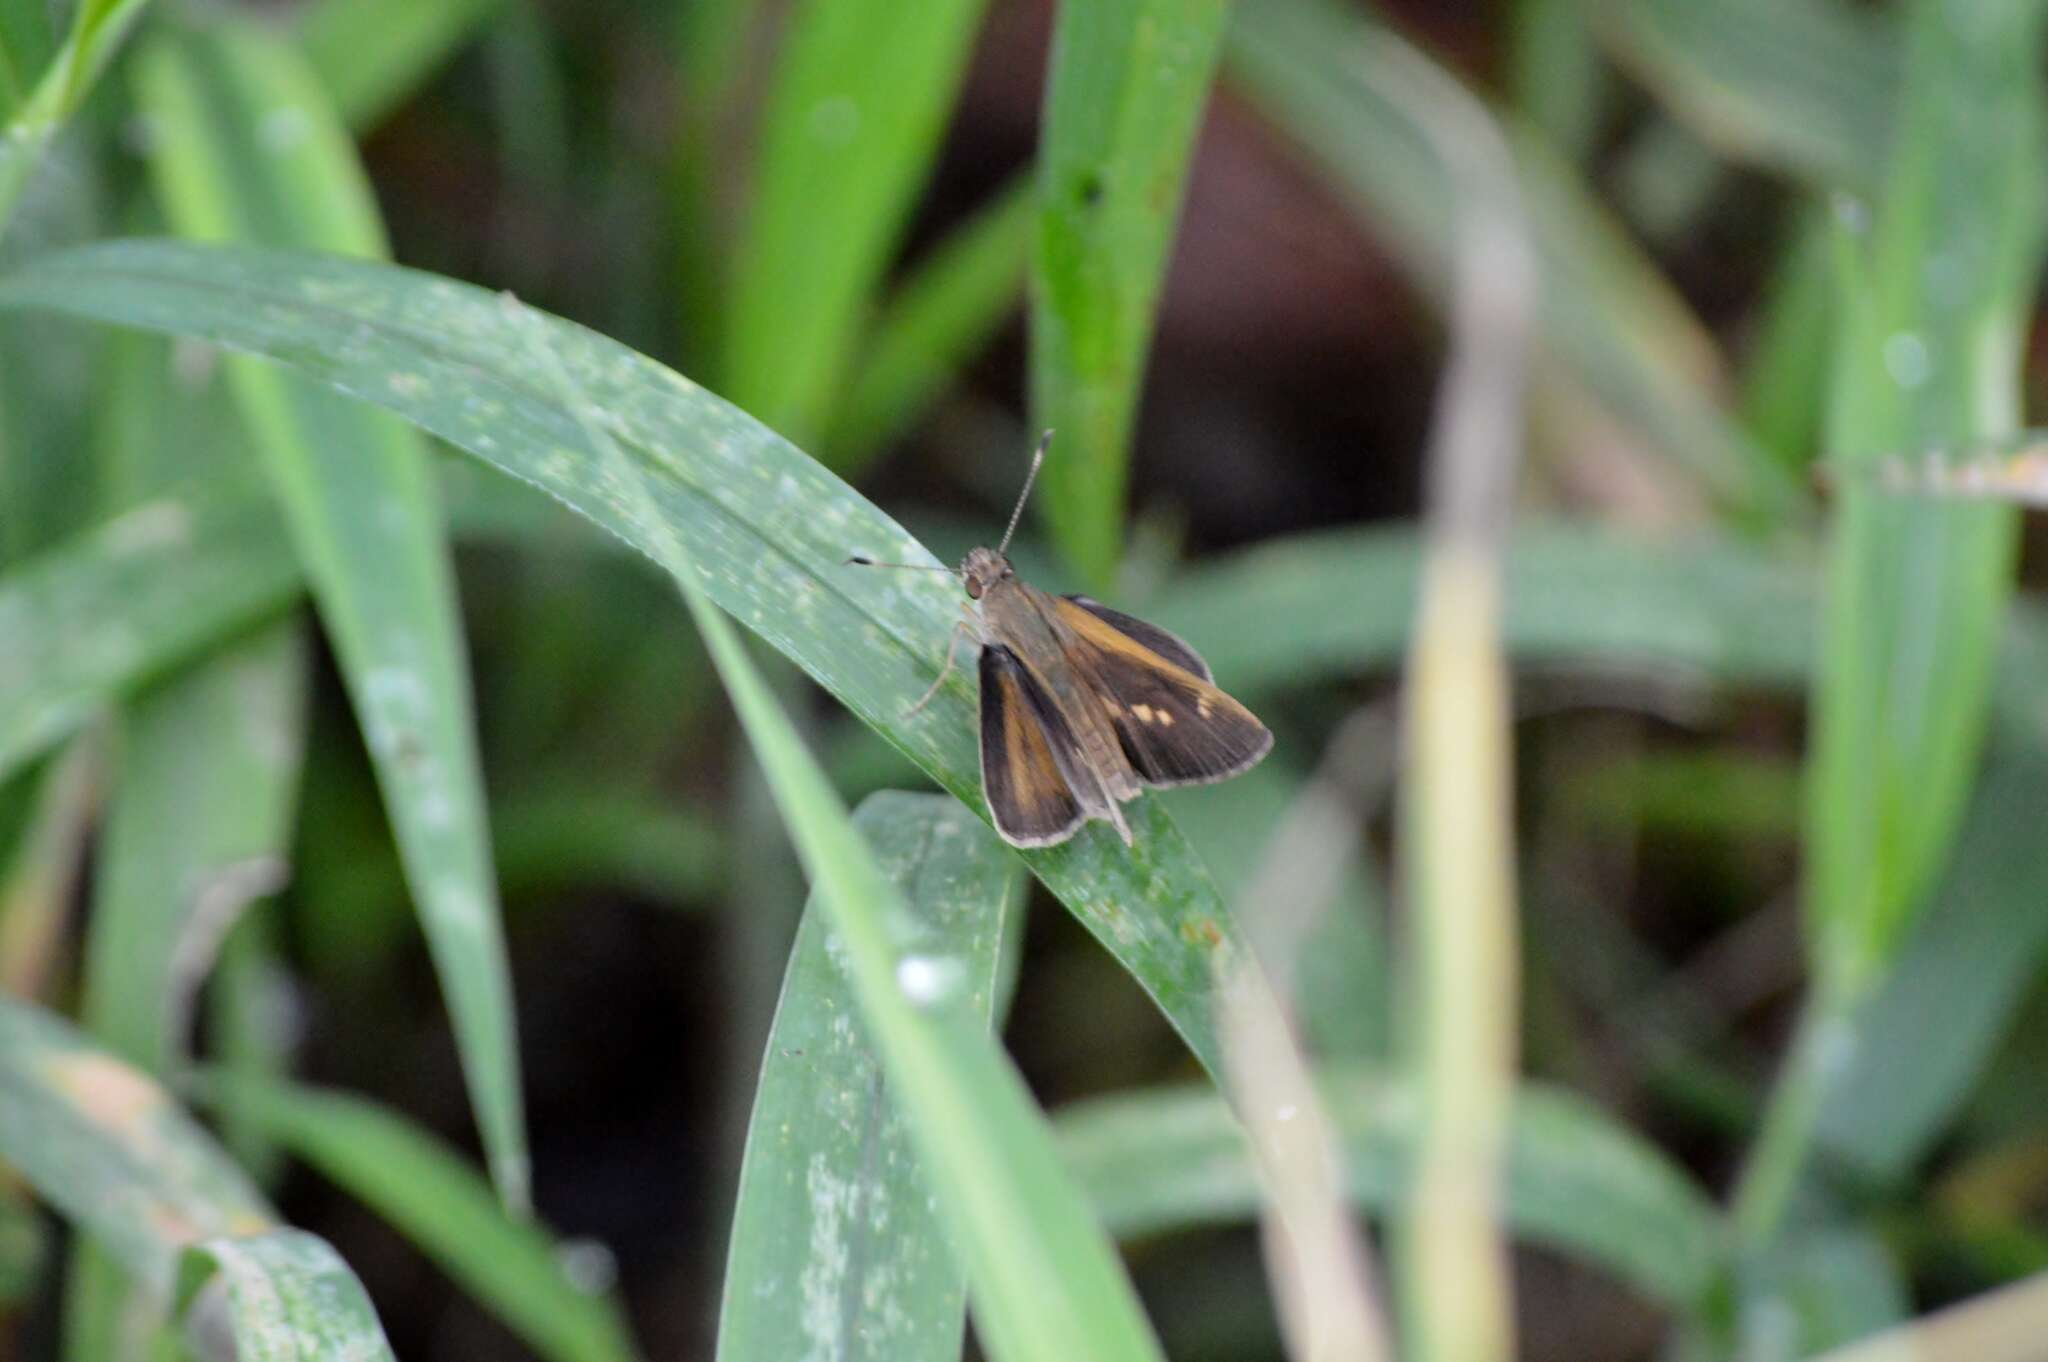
pixel 1083 706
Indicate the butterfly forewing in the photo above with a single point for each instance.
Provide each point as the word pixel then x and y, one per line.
pixel 1176 728
pixel 1168 646
pixel 1028 797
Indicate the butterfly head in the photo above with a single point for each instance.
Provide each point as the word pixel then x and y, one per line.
pixel 982 569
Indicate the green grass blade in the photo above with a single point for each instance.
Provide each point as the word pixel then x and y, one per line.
pixel 837 1249
pixel 1123 103
pixel 1917 589
pixel 770 530
pixel 91 619
pixel 250 989
pixel 1166 1159
pixel 936 321
pixel 109 1149
pixel 97 28
pixel 1046 1282
pixel 371 54
pixel 285 1296
pixel 359 496
pixel 198 825
pixel 42 868
pixel 24 1249
pixel 26 44
pixel 860 96
pixel 1705 608
pixel 1556 78
pixel 1970 962
pixel 199 822
pixel 1804 86
pixel 432 1196
pixel 1785 373
pixel 1607 318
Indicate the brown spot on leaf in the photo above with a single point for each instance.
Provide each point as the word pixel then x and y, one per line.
pixel 109 1093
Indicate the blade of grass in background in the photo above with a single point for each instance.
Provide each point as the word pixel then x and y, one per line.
pixel 1916 591
pixel 769 529
pixel 1170 1159
pixel 24 1248
pixel 837 1249
pixel 247 147
pixel 97 27
pixel 51 377
pixel 1046 1282
pixel 1607 317
pixel 252 1033
pixel 371 54
pixel 201 813
pixel 199 821
pixel 1804 86
pixel 1704 610
pixel 287 1296
pixel 1341 970
pixel 91 619
pixel 860 96
pixel 715 59
pixel 934 323
pixel 1123 104
pixel 1969 962
pixel 26 42
pixel 39 878
pixel 1784 376
pixel 431 1195
pixel 1557 80
pixel 1665 180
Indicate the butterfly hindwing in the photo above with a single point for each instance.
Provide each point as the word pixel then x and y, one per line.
pixel 1168 646
pixel 1027 796
pixel 1176 727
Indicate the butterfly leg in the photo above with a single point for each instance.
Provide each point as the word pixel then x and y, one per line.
pixel 952 647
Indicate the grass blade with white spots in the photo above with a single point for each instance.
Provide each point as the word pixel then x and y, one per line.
pixel 837 1249
pixel 284 1296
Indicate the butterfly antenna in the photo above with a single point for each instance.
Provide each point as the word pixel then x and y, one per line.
pixel 1037 458
pixel 862 560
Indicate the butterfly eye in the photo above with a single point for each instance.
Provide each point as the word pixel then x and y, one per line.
pixel 974 588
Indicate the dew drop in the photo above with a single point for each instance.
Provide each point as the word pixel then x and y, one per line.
pixel 928 980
